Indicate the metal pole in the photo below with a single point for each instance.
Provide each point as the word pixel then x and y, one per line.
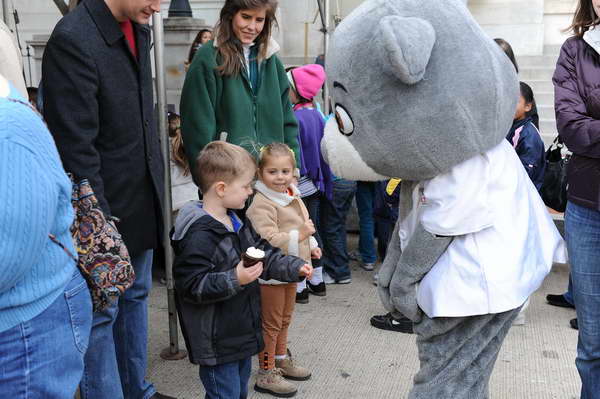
pixel 6 13
pixel 172 352
pixel 327 19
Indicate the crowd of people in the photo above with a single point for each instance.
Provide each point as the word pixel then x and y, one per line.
pixel 248 178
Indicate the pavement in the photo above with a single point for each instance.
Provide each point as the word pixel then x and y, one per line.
pixel 350 359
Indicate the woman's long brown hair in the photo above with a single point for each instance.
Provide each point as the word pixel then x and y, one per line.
pixel 229 46
pixel 585 18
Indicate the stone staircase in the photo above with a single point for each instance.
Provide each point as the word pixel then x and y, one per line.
pixel 537 71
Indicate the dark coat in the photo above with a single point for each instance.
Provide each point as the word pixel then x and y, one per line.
pixel 576 103
pixel 530 149
pixel 220 319
pixel 98 104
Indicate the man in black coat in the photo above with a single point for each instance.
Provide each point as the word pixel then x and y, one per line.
pixel 98 104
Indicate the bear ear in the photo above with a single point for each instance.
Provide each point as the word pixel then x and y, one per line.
pixel 406 46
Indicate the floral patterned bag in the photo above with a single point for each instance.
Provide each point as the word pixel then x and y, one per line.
pixel 102 258
pixel 102 255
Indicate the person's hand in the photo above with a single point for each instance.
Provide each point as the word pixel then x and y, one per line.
pixel 246 275
pixel 316 253
pixel 306 230
pixel 306 271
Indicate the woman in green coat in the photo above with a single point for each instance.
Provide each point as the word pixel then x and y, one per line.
pixel 237 85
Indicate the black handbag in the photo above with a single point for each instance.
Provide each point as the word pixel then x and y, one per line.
pixel 554 188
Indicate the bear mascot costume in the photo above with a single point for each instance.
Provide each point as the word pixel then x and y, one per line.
pixel 421 93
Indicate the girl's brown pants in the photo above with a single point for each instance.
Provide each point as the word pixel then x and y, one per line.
pixel 277 303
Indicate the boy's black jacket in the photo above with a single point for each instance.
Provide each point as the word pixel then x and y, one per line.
pixel 220 319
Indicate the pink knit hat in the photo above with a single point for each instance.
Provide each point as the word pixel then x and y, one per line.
pixel 307 80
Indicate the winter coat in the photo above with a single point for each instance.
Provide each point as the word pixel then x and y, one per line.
pixel 220 319
pixel 526 140
pixel 99 107
pixel 312 164
pixel 577 106
pixel 212 104
pixel 277 217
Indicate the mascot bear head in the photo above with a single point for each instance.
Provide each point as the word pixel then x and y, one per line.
pixel 417 87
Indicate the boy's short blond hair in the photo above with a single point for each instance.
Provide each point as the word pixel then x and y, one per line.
pixel 221 161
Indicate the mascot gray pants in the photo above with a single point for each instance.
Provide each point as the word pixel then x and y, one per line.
pixel 457 355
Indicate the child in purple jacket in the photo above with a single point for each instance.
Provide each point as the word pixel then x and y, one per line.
pixel 315 177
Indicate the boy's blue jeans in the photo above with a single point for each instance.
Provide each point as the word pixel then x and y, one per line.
pixel 582 230
pixel 333 228
pixel 365 199
pixel 226 381
pixel 43 357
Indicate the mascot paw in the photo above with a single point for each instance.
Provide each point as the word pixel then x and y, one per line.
pixel 386 299
pixel 408 306
pixel 404 300
pixel 385 274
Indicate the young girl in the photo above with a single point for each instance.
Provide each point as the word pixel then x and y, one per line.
pixel 506 47
pixel 279 215
pixel 525 138
pixel 203 37
pixel 315 177
pixel 183 188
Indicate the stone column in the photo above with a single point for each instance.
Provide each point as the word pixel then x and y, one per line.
pixel 180 32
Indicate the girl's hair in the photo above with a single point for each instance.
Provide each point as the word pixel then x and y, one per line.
pixel 526 92
pixel 177 151
pixel 505 46
pixel 275 150
pixel 229 46
pixel 196 44
pixel 584 18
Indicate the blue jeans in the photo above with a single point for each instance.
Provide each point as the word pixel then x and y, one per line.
pixel 333 227
pixel 313 205
pixel 582 230
pixel 43 357
pixel 115 364
pixel 226 381
pixel 569 294
pixel 365 198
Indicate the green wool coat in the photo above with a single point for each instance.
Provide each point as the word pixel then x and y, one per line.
pixel 212 104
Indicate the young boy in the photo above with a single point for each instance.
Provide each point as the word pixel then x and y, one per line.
pixel 526 140
pixel 218 299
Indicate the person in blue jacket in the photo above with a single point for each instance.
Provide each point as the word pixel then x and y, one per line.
pixel 526 139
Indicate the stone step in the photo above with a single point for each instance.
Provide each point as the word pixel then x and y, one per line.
pixel 548 127
pixel 544 98
pixel 545 111
pixel 536 73
pixel 550 49
pixel 537 60
pixel 540 86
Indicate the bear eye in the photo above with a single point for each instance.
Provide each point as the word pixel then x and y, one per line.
pixel 344 121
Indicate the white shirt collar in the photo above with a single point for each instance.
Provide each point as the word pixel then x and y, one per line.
pixel 592 37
